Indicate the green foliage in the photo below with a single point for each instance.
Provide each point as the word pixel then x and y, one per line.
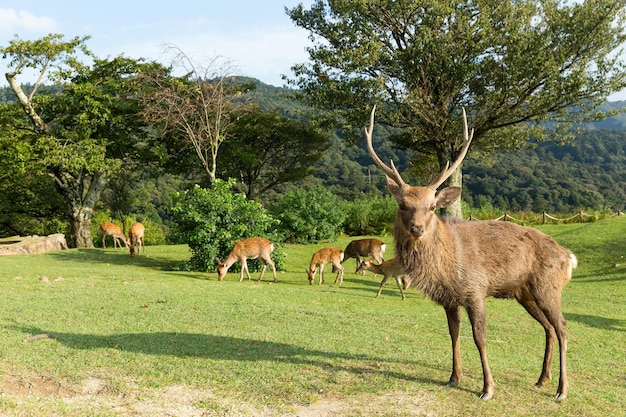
pixel 308 216
pixel 268 149
pixel 212 220
pixel 369 216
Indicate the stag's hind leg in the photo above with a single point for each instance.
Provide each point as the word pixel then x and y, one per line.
pixel 533 309
pixel 557 320
pixel 550 316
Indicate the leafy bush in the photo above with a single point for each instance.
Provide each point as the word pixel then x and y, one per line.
pixel 369 216
pixel 308 216
pixel 212 220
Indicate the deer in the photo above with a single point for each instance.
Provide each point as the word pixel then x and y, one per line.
pixel 389 268
pixel 361 248
pixel 458 263
pixel 251 248
pixel 109 229
pixel 323 257
pixel 135 234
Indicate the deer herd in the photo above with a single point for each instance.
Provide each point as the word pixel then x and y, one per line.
pixel 456 263
pixel 132 243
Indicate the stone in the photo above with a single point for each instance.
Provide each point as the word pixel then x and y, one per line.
pixel 16 245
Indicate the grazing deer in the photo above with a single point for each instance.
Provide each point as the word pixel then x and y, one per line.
pixel 251 248
pixel 361 248
pixel 389 268
pixel 322 257
pixel 459 263
pixel 135 235
pixel 109 229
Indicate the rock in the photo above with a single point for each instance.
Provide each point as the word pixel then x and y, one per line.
pixel 32 244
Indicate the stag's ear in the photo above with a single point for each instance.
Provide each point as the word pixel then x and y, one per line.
pixel 394 188
pixel 447 196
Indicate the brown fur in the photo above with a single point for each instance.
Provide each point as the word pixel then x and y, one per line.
pixel 389 268
pixel 361 248
pixel 323 257
pixel 459 264
pixel 109 229
pixel 251 248
pixel 136 233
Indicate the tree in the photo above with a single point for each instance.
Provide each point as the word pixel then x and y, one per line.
pixel 512 64
pixel 81 135
pixel 267 149
pixel 196 107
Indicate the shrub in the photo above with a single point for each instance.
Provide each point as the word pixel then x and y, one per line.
pixel 308 216
pixel 211 220
pixel 369 216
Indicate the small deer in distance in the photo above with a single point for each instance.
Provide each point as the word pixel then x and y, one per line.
pixel 459 263
pixel 361 248
pixel 322 257
pixel 251 248
pixel 389 268
pixel 109 229
pixel 135 234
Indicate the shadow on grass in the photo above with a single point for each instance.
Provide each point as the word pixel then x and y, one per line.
pixel 118 257
pixel 597 322
pixel 195 345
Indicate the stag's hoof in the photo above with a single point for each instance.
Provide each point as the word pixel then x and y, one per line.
pixel 486 395
pixel 560 397
pixel 452 384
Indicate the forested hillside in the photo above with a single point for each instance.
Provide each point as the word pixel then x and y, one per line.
pixel 588 173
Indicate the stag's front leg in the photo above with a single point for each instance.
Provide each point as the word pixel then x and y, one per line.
pixel 478 319
pixel 244 267
pixel 454 327
pixel 263 271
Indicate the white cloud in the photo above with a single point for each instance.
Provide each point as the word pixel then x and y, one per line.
pixel 12 20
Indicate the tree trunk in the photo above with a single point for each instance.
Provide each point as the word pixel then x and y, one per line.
pixel 81 193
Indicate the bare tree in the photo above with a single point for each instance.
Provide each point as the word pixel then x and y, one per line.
pixel 197 106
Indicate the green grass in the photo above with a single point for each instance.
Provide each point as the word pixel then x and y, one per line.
pixel 134 336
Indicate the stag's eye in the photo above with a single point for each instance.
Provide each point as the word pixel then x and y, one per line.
pixel 433 207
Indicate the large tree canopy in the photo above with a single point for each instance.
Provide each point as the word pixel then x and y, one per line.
pixel 82 135
pixel 267 149
pixel 511 64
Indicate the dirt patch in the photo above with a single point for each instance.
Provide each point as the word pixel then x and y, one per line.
pixel 389 404
pixel 94 396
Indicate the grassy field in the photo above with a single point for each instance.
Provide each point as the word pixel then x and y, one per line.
pixel 95 332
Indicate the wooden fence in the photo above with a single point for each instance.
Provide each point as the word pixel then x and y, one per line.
pixel 544 218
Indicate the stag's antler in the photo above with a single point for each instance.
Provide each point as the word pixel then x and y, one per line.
pixel 449 169
pixel 391 172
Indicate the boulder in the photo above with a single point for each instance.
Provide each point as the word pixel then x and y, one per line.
pixel 32 244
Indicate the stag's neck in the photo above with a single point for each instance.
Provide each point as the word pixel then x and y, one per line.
pixel 430 262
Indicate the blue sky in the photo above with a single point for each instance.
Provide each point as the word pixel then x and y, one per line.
pixel 255 36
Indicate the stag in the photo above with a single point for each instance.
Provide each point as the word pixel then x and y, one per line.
pixel 251 248
pixel 136 234
pixel 361 248
pixel 322 257
pixel 459 263
pixel 109 229
pixel 389 268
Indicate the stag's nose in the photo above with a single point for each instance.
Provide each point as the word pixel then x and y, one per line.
pixel 417 231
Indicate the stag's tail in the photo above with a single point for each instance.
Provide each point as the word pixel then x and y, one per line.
pixel 573 263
